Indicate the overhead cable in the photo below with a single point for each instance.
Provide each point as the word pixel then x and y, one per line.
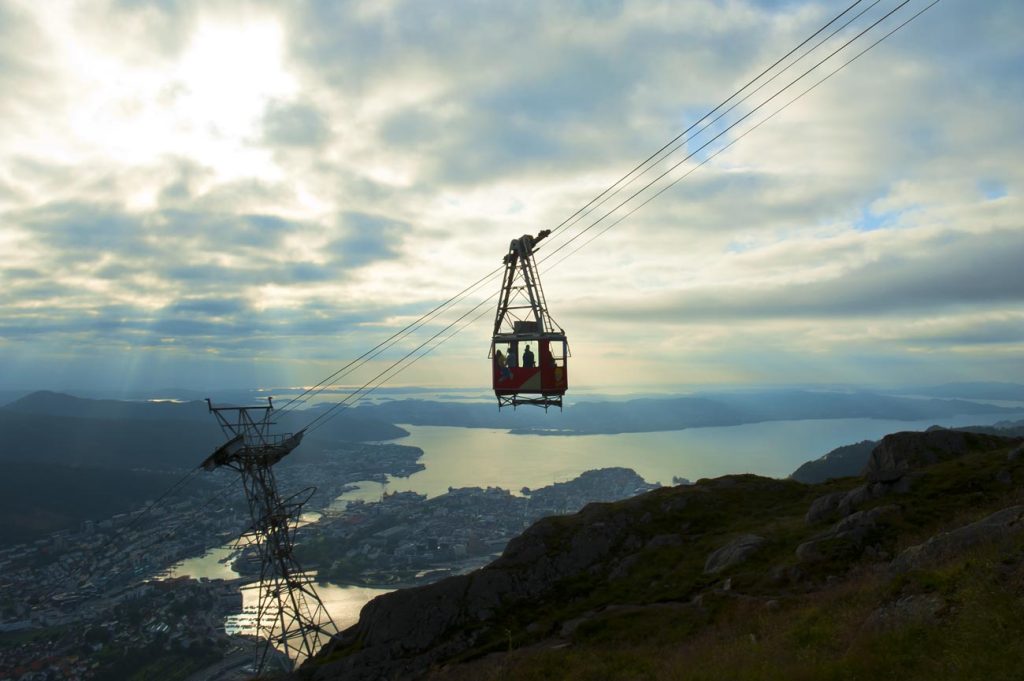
pixel 363 390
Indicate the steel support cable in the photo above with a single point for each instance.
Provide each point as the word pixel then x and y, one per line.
pixel 727 129
pixel 366 357
pixel 326 415
pixel 378 381
pixel 319 420
pixel 568 222
pixel 744 134
pixel 658 156
pixel 580 213
pixel 431 349
pixel 690 138
pixel 658 193
pixel 384 345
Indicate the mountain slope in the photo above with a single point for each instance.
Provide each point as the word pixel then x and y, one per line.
pixel 737 577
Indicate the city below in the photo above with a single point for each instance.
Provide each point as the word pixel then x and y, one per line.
pixel 105 601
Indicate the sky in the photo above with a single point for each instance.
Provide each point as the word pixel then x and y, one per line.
pixel 231 194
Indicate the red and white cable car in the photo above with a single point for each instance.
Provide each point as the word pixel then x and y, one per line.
pixel 529 352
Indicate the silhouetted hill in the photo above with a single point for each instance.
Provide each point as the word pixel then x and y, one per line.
pixel 851 459
pixel 72 441
pixel 912 572
pixel 64 459
pixel 839 463
pixel 37 499
pixel 59 428
pixel 49 403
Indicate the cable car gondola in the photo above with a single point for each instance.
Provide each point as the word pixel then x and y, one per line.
pixel 529 352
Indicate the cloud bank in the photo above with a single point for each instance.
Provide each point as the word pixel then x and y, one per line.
pixel 247 193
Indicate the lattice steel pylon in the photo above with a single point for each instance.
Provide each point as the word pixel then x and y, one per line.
pixel 290 617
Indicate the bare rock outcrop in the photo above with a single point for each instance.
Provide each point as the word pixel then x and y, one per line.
pixel 893 464
pixel 847 538
pixel 899 453
pixel 824 507
pixel 733 553
pixel 1004 524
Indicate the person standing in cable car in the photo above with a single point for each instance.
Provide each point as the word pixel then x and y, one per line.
pixel 503 369
pixel 529 362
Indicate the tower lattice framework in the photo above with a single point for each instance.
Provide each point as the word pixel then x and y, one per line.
pixel 290 616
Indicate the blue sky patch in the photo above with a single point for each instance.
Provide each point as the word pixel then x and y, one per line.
pixel 992 189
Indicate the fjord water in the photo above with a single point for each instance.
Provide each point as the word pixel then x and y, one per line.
pixel 460 457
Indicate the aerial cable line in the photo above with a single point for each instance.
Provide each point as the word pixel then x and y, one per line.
pixel 575 217
pixel 659 156
pixel 377 381
pixel 727 129
pixel 662 154
pixel 426 352
pixel 601 198
pixel 164 535
pixel 649 184
pixel 385 344
pixel 313 425
pixel 744 134
pixel 327 415
pixel 566 222
pixel 146 510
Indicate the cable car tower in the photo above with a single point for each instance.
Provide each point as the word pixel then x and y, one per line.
pixel 521 322
pixel 290 616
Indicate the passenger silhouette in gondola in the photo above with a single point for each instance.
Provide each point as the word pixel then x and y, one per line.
pixel 499 357
pixel 528 359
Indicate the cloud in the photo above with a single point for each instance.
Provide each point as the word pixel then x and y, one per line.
pixel 259 180
pixel 950 271
pixel 294 125
pixel 83 231
pixel 1007 329
pixel 367 239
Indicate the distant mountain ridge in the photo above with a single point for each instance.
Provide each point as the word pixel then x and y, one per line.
pixel 46 402
pixel 61 428
pixel 677 413
pixel 64 459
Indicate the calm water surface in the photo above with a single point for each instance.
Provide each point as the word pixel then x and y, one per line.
pixel 460 457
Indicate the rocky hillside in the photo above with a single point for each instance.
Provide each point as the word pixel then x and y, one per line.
pixel 914 570
pixel 850 459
